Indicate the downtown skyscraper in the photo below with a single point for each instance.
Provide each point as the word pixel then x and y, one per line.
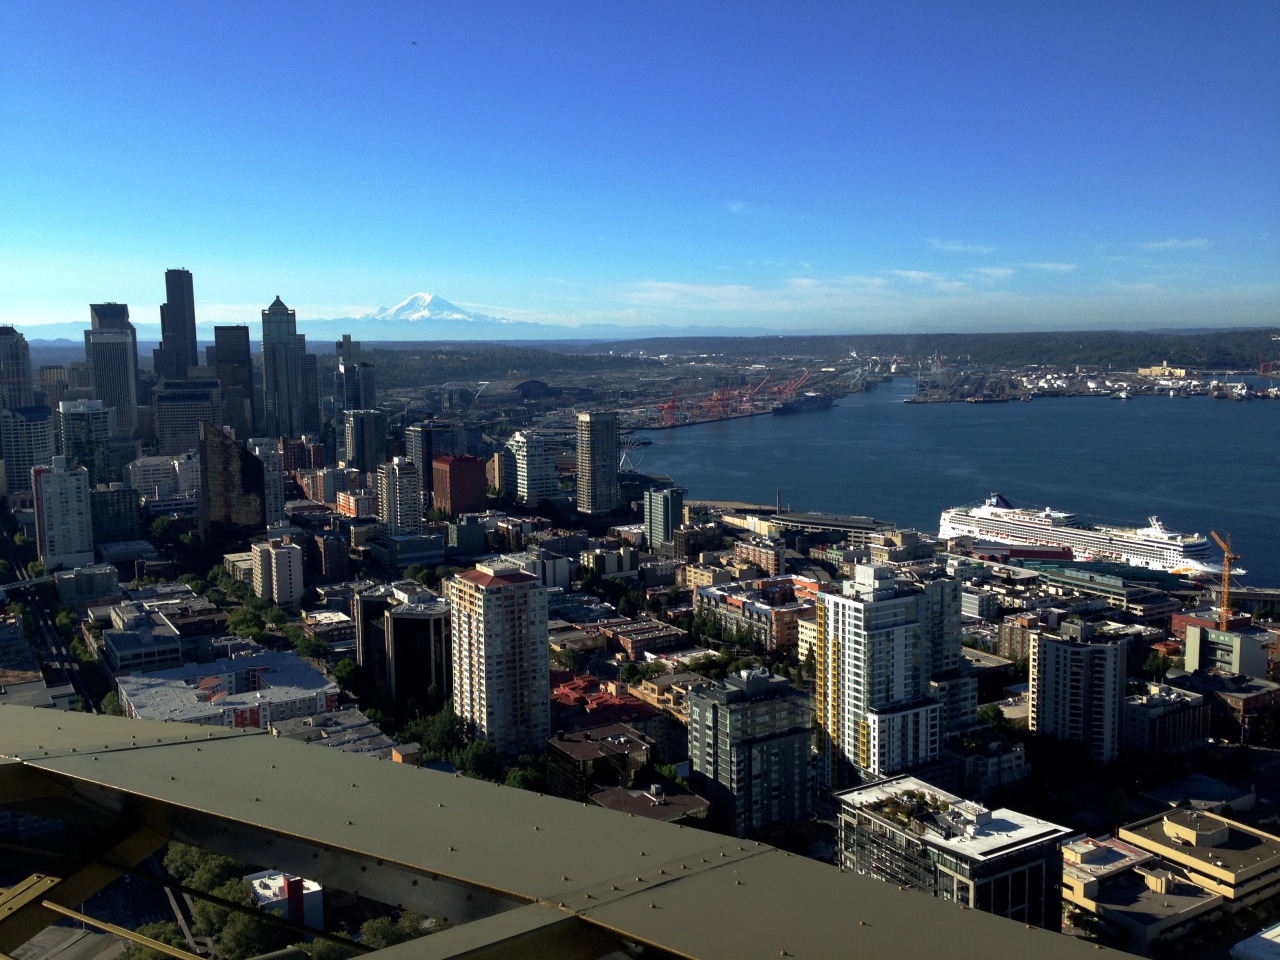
pixel 598 490
pixel 283 395
pixel 177 351
pixel 234 367
pixel 498 616
pixel 111 347
pixel 15 370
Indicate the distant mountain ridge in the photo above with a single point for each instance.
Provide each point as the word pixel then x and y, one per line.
pixel 422 316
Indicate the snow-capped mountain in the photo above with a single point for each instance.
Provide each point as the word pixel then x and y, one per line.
pixel 427 306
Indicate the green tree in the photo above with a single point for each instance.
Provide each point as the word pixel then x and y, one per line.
pixel 111 705
pixel 344 671
pixel 81 652
pixel 1157 665
pixel 328 950
pixel 480 759
pixel 245 622
pixel 245 935
pixel 165 931
pixel 163 530
pixel 65 622
pixel 993 716
pixel 35 569
pixel 6 571
pixel 384 932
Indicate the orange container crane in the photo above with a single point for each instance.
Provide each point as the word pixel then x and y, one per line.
pixel 1224 600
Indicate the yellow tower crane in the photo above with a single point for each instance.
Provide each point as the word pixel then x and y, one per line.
pixel 1224 600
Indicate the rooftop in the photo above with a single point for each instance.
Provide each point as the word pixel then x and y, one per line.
pixel 1209 839
pixel 945 820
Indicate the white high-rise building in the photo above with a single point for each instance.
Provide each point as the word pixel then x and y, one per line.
pixel 873 669
pixel 498 616
pixel 400 497
pixel 64 526
pixel 277 573
pixel 268 451
pixel 536 478
pixel 1077 689
pixel 598 490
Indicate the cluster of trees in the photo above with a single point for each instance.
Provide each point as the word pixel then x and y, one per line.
pixel 447 737
pixel 237 934
pixel 625 595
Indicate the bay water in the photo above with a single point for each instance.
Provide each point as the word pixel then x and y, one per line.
pixel 1196 463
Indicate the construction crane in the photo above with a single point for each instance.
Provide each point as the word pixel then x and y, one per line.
pixel 1228 558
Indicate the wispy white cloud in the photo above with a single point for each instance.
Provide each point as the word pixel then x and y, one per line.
pixel 917 276
pixel 958 246
pixel 1050 267
pixel 1173 243
pixel 736 206
pixel 994 273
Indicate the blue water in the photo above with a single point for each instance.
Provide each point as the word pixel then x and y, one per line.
pixel 1198 464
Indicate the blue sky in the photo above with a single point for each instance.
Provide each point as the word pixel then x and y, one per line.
pixel 815 166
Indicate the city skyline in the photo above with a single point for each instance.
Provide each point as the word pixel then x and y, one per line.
pixel 839 169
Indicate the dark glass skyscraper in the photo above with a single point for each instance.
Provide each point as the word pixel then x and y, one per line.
pixel 231 503
pixel 15 369
pixel 111 346
pixel 177 350
pixel 235 374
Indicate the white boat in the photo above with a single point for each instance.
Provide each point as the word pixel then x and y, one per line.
pixel 1154 546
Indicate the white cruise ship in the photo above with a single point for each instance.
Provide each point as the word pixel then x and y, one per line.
pixel 1154 547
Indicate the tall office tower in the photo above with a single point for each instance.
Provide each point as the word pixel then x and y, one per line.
pixel 598 490
pixel 177 352
pixel 353 384
pixel 84 437
pixel 536 478
pixel 267 450
pixel 234 366
pixel 749 749
pixel 663 514
pixel 111 345
pixel 64 528
pixel 872 709
pixel 53 381
pixel 309 416
pixel 282 350
pixel 951 681
pixel 459 485
pixel 277 573
pixel 1077 689
pixel 15 370
pixel 179 407
pixel 400 497
pixel 498 614
pixel 419 448
pixel 419 650
pixel 114 512
pixel 231 503
pixel 26 441
pixel 365 439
